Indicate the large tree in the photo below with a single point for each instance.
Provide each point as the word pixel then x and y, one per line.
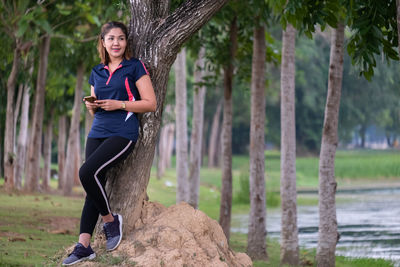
pixel 327 233
pixel 256 247
pixel 289 232
pixel 156 38
pixel 197 131
pixel 182 187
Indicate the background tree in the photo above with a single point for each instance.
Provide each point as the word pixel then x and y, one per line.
pixel 256 239
pixel 197 130
pixel 289 230
pixel 182 191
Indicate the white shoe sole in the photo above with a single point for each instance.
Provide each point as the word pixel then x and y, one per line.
pixel 90 257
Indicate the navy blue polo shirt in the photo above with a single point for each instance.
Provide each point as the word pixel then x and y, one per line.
pixel 119 85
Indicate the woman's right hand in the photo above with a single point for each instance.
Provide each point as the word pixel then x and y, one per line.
pixel 91 106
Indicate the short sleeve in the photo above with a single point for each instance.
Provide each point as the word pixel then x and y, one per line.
pixel 91 78
pixel 140 70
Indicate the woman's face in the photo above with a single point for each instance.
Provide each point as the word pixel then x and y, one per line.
pixel 115 43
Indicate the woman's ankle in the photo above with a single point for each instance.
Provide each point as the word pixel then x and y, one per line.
pixel 84 239
pixel 108 218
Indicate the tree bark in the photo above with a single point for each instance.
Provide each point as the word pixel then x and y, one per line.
pixel 165 144
pixel 16 115
pixel 73 137
pixel 197 131
pixel 256 238
pixel 214 138
pixel 398 22
pixel 9 127
pixel 48 138
pixel 289 230
pixel 61 140
pixel 33 166
pixel 156 38
pixel 182 190
pixel 226 188
pixel 22 137
pixel 328 234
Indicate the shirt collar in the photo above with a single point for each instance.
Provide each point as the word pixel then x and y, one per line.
pixel 124 63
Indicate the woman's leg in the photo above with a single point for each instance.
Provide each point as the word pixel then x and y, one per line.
pixel 101 155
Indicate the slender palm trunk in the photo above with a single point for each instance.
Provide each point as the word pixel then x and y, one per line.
pixel 164 143
pixel 214 138
pixel 182 191
pixel 48 138
pixel 289 230
pixel 226 188
pixel 328 234
pixel 9 131
pixel 16 115
pixel 256 238
pixel 22 138
pixel 398 22
pixel 70 163
pixel 33 166
pixel 197 131
pixel 61 140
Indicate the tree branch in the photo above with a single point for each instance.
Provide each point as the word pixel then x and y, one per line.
pixel 177 28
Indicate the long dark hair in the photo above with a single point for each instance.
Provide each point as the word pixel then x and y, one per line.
pixel 103 54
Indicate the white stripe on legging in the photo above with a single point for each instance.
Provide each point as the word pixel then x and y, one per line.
pixel 101 167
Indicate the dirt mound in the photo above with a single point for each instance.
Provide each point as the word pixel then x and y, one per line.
pixel 176 236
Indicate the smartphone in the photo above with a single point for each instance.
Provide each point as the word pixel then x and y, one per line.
pixel 90 98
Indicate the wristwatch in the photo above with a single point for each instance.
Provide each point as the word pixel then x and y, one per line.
pixel 123 105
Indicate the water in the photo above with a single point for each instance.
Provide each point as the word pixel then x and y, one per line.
pixel 368 223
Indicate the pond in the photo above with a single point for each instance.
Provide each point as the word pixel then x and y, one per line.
pixel 368 223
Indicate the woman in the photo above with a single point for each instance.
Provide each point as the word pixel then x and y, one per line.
pixel 120 87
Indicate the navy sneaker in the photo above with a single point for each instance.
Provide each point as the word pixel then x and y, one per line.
pixel 113 231
pixel 79 254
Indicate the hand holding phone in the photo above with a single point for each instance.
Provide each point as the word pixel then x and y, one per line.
pixel 90 98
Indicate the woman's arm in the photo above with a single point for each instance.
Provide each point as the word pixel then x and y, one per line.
pixel 147 102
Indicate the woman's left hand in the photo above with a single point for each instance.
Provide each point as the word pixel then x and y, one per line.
pixel 109 104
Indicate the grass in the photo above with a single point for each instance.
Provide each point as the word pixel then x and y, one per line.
pixel 33 227
pixel 29 225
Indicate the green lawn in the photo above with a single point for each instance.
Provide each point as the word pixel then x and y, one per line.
pixel 33 228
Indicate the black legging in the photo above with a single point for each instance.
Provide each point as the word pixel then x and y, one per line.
pixel 101 155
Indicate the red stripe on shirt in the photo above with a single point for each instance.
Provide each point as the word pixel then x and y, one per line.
pixel 128 90
pixel 144 67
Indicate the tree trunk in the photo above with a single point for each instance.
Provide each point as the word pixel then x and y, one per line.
pixel 226 187
pixel 48 138
pixel 22 137
pixel 9 131
pixel 73 137
pixel 33 167
pixel 165 144
pixel 214 138
pixel 256 238
pixel 16 115
pixel 88 123
pixel 62 137
pixel 398 22
pixel 289 230
pixel 78 160
pixel 197 131
pixel 182 190
pixel 156 38
pixel 363 135
pixel 328 234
